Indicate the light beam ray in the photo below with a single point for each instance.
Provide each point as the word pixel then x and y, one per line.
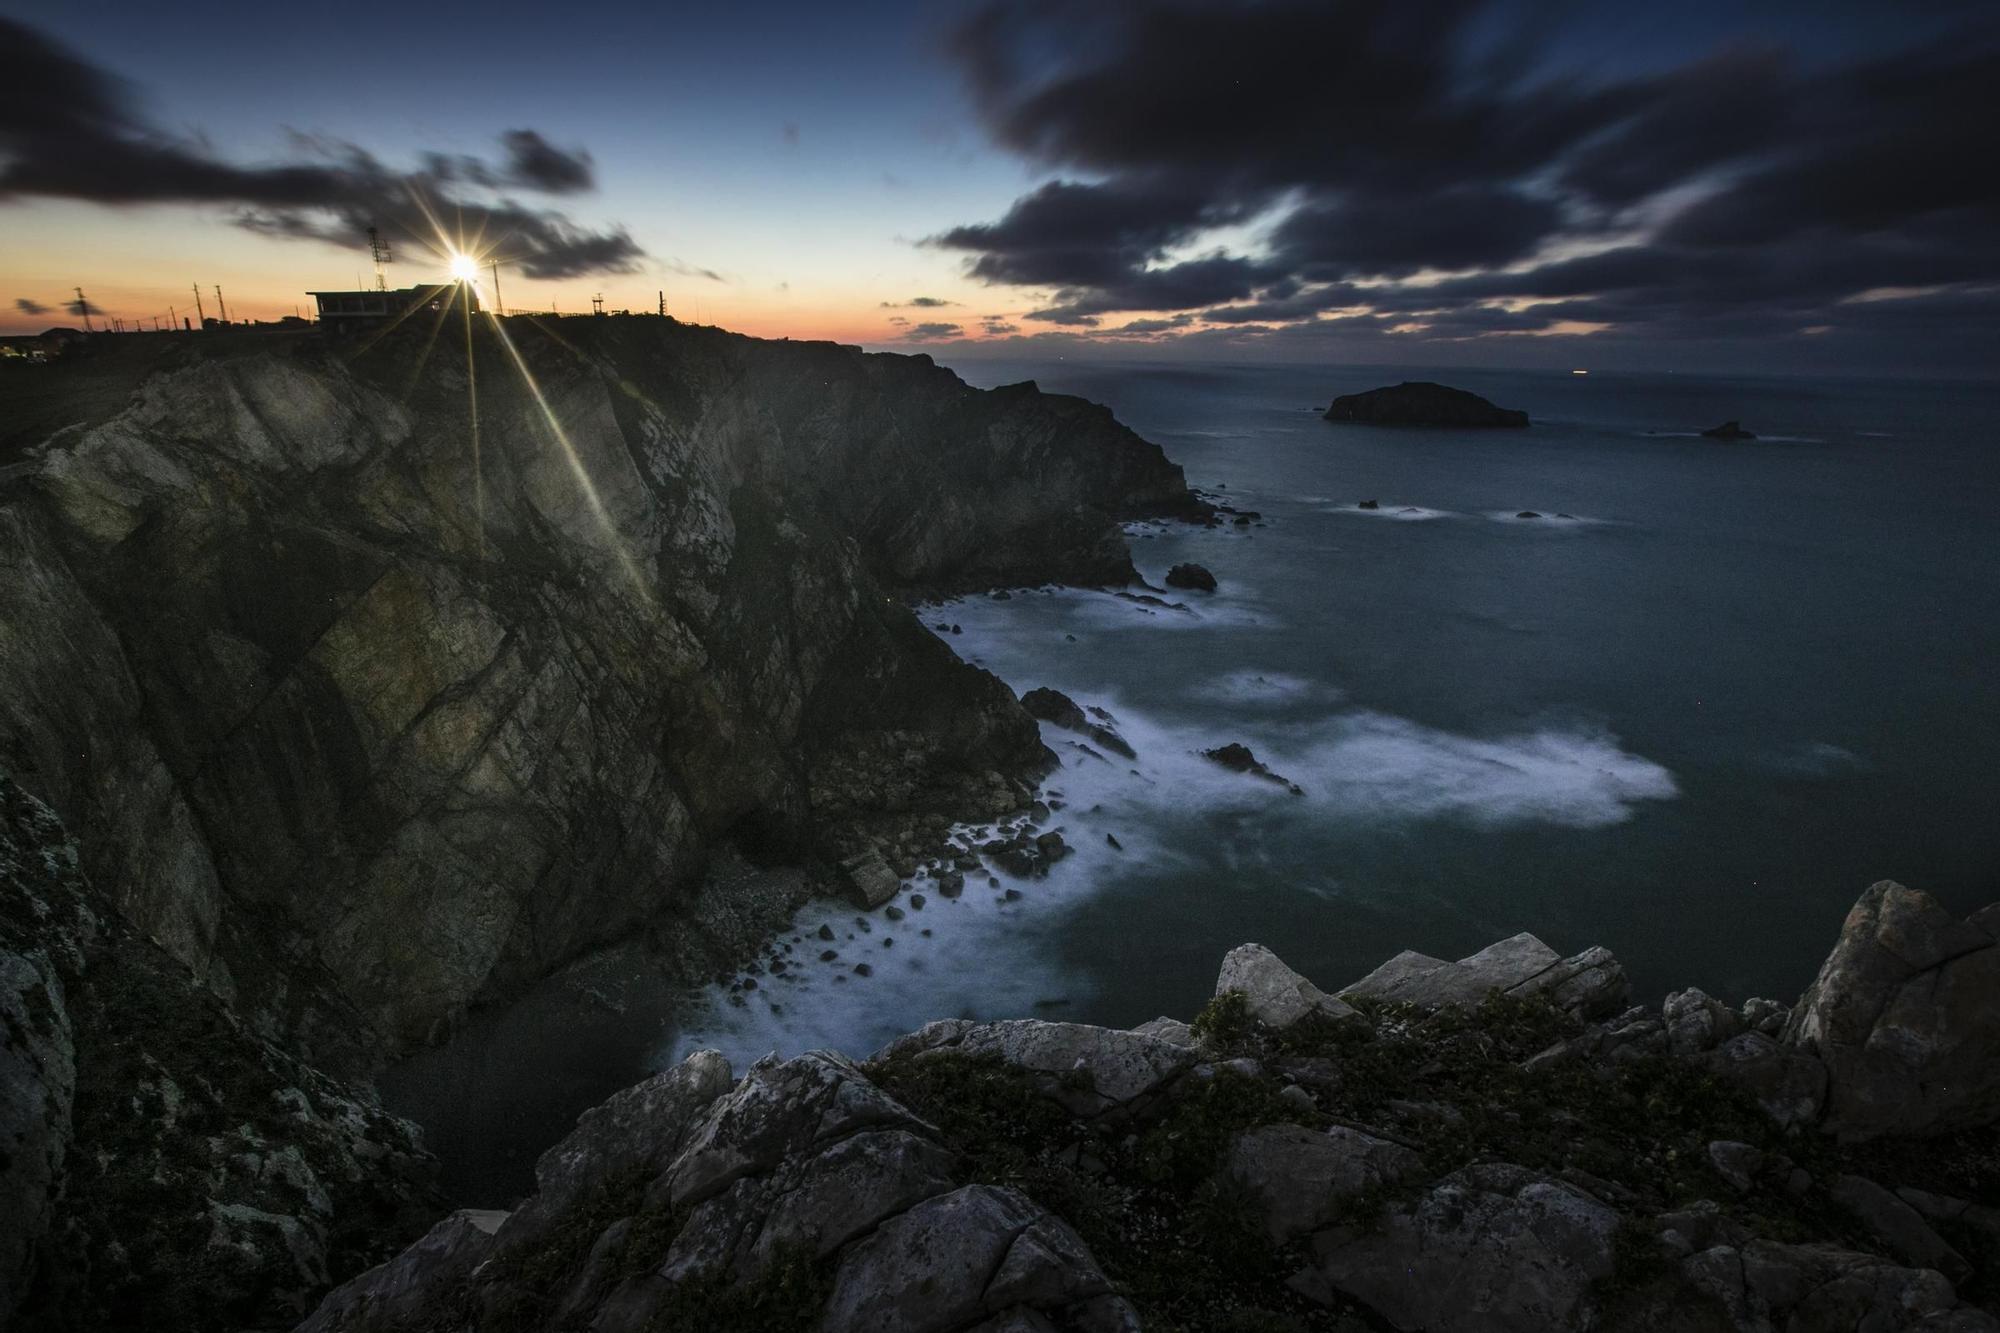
pixel 575 461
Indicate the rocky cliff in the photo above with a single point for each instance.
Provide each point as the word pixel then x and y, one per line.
pixel 378 679
pixel 1492 1144
pixel 161 1165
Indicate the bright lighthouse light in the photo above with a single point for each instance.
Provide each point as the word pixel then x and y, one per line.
pixel 465 268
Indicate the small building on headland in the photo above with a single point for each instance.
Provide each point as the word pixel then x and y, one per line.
pixel 366 309
pixel 44 346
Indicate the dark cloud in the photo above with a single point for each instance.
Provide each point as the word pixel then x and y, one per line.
pixel 28 306
pixel 994 327
pixel 688 270
pixel 1320 163
pixel 536 164
pixel 71 130
pixel 933 332
pixel 918 303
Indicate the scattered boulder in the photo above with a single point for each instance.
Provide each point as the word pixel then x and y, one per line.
pixel 869 880
pixel 1696 1022
pixel 1488 1248
pixel 1900 1228
pixel 1276 996
pixel 1902 1017
pixel 1300 1179
pixel 1789 1085
pixel 1728 430
pixel 1422 403
pixel 1527 513
pixel 1369 504
pixel 1191 576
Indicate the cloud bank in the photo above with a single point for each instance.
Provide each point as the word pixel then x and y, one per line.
pixel 70 130
pixel 1292 170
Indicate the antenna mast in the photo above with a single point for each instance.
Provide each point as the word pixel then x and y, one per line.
pixel 379 248
pixel 499 306
pixel 597 304
pixel 201 314
pixel 221 310
pixel 83 308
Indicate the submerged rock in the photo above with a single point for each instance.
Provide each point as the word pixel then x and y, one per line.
pixel 1191 576
pixel 1422 403
pixel 1057 708
pixel 1238 758
pixel 1728 430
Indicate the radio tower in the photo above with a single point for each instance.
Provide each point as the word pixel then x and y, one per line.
pixel 380 249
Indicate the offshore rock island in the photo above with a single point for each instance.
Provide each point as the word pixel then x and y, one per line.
pixel 332 708
pixel 1422 403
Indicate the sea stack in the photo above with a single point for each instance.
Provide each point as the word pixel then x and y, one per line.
pixel 1422 403
pixel 1728 430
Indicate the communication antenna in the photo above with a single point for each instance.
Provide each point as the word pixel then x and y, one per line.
pixel 663 304
pixel 221 310
pixel 202 315
pixel 379 248
pixel 83 308
pixel 499 307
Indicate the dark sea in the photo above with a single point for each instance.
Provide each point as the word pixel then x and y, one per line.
pixel 1688 713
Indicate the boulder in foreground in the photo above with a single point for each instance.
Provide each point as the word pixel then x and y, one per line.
pixel 1423 403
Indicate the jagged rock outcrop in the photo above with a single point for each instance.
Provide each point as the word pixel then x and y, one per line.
pixel 1591 984
pixel 1422 403
pixel 1057 708
pixel 803 1196
pixel 363 704
pixel 1728 430
pixel 1903 1016
pixel 162 1165
pixel 1459 1151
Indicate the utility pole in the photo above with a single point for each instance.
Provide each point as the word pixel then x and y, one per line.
pixel 663 305
pixel 201 315
pixel 221 310
pixel 499 307
pixel 83 308
pixel 379 248
pixel 173 318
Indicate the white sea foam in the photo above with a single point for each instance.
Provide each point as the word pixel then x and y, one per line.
pixel 1262 689
pixel 1814 759
pixel 1545 518
pixel 1404 513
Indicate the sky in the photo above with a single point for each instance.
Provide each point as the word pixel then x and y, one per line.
pixel 1783 186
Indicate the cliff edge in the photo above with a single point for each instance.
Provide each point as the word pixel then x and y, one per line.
pixel 379 679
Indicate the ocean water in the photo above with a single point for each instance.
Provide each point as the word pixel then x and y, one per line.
pixel 1691 720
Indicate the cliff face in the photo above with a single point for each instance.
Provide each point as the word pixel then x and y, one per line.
pixel 378 679
pixel 1492 1145
pixel 161 1165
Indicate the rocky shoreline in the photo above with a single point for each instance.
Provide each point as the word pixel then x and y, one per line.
pixel 1496 1143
